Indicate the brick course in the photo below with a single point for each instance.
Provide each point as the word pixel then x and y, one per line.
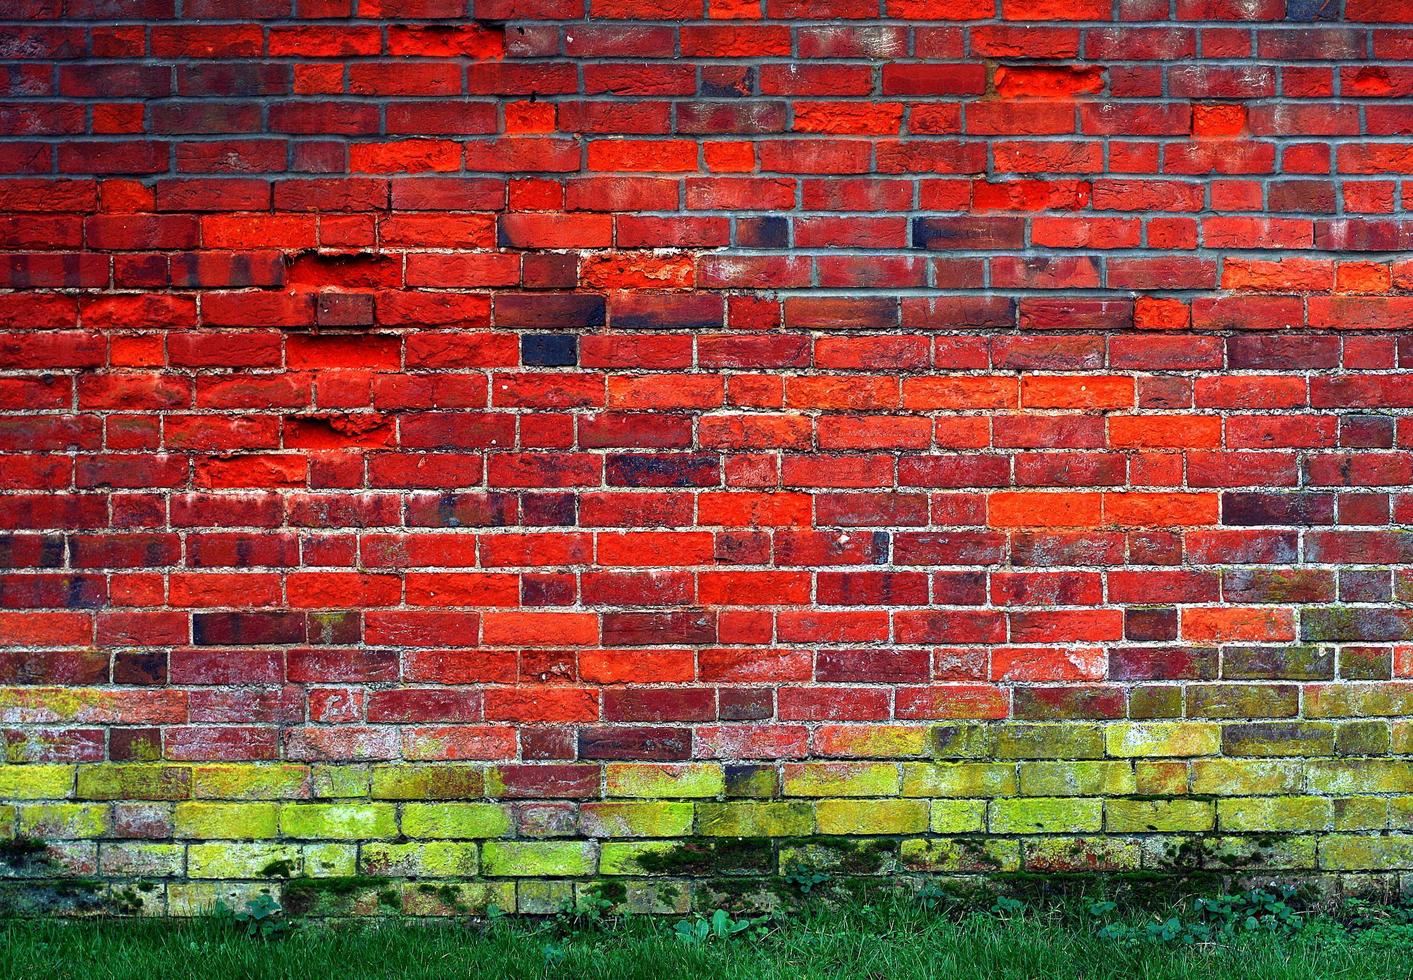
pixel 520 444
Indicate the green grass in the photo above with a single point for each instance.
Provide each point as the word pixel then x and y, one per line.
pixel 897 940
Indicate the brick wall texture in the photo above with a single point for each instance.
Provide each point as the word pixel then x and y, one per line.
pixel 536 445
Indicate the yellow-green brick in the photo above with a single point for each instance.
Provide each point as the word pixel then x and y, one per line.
pixel 631 819
pixel 1045 815
pixel 338 821
pixel 274 781
pixel 841 779
pixel 644 781
pixel 1247 777
pixel 63 821
pixel 455 821
pixel 1275 813
pixel 1149 816
pixel 1089 778
pixel 103 781
pixel 957 816
pixel 240 860
pixel 533 859
pixel 751 819
pixel 855 816
pixel 37 782
pixel 960 779
pixel 1135 740
pixel 422 859
pixel 225 821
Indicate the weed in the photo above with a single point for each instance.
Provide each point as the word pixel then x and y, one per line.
pixel 261 918
pixel 718 926
pixel 804 878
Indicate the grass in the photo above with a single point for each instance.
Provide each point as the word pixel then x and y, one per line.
pixel 894 939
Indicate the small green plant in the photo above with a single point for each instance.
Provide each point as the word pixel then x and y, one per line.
pixel 804 878
pixel 718 926
pixel 261 918
pixel 933 896
pixel 1222 918
pixel 1007 907
pixel 587 912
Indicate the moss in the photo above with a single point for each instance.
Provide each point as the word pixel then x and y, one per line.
pixel 344 885
pixel 20 850
pixel 609 891
pixel 718 855
pixel 335 895
pixel 283 868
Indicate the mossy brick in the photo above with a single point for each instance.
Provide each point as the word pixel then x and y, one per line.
pixel 1261 814
pixel 1401 738
pixel 1153 701
pixel 1164 777
pixel 751 781
pixel 1242 700
pixel 422 859
pixel 856 816
pixel 1071 740
pixel 696 780
pixel 1258 853
pixel 1279 738
pixel 1400 812
pixel 543 897
pixel 458 898
pixel 1080 855
pixel 1355 624
pixel 230 859
pixel 1365 663
pixel 840 779
pixel 960 779
pixel 1246 777
pixel 63 821
pixel 1158 816
pixel 327 860
pixel 628 857
pixel 960 855
pixel 341 782
pixel 755 819
pixel 187 899
pixel 133 782
pixel 455 782
pixel 1352 776
pixel 36 782
pixel 656 898
pixel 846 855
pixel 1365 852
pixel 966 740
pixel 875 741
pixel 225 821
pixel 1363 738
pixel 634 819
pixel 1360 813
pixel 7 821
pixel 455 821
pixel 1045 815
pixel 1076 778
pixel 957 816
pixel 1159 738
pixel 1287 662
pixel 1359 699
pixel 141 859
pixel 338 821
pixel 542 858
pixel 268 781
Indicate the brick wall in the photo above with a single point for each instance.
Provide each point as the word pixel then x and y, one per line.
pixel 659 442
